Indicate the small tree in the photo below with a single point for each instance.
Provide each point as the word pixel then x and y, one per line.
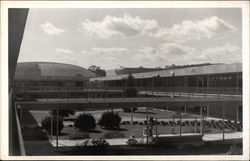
pixel 110 120
pixel 46 124
pixel 85 122
pixel 131 91
pixel 64 113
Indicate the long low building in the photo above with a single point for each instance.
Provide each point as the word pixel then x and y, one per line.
pixel 217 78
pixel 36 80
pixel 220 75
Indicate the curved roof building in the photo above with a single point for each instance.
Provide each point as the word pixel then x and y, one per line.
pixel 51 71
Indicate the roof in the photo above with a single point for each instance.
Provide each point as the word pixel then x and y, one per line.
pixel 50 70
pixel 201 70
pixel 122 71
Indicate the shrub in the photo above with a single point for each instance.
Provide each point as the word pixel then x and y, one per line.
pixel 132 141
pixel 114 134
pixel 64 113
pixel 79 136
pixel 110 120
pixel 46 124
pixel 235 150
pixel 93 146
pixel 85 122
pixel 125 109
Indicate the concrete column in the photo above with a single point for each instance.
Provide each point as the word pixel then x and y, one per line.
pixel 237 83
pixel 57 127
pixel 195 125
pixel 51 126
pixel 180 125
pixel 132 117
pixel 237 113
pixel 147 124
pixel 173 125
pixel 201 126
pixel 207 110
pixel 156 127
pixel 223 122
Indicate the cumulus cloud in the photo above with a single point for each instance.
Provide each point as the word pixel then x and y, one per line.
pixel 106 51
pixel 164 53
pixel 64 51
pixel 227 53
pixel 209 28
pixel 50 29
pixel 126 26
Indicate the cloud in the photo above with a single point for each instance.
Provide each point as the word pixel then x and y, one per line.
pixel 227 53
pixel 106 51
pixel 187 30
pixel 50 29
pixel 166 52
pixel 125 26
pixel 64 51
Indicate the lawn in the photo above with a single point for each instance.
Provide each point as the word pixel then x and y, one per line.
pixel 126 129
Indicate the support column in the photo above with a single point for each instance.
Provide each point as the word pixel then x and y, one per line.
pixel 201 126
pixel 156 128
pixel 223 122
pixel 132 113
pixel 173 125
pixel 147 124
pixel 51 126
pixel 237 83
pixel 237 113
pixel 57 127
pixel 195 125
pixel 180 125
pixel 207 110
pixel 185 109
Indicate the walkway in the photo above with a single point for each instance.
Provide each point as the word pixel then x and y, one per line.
pixel 122 141
pixel 81 104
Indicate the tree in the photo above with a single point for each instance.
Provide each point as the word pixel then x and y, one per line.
pixel 110 120
pixel 97 70
pixel 46 124
pixel 85 122
pixel 131 91
pixel 64 113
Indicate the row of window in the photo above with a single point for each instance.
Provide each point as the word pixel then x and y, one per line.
pixel 221 78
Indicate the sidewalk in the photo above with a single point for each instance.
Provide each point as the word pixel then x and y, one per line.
pixel 122 141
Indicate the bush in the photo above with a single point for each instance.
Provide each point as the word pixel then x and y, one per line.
pixel 46 124
pixel 132 141
pixel 125 109
pixel 79 136
pixel 93 146
pixel 110 120
pixel 64 113
pixel 85 122
pixel 235 150
pixel 114 134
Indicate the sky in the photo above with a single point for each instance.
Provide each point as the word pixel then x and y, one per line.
pixel 148 37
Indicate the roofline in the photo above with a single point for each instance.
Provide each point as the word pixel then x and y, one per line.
pixel 210 69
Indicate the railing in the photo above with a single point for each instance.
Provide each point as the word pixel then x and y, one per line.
pixel 214 90
pixel 19 131
pixel 71 92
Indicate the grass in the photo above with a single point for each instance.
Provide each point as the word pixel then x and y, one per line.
pixel 126 129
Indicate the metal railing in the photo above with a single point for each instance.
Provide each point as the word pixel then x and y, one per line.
pixel 83 92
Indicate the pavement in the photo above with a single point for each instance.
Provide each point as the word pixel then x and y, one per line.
pixel 122 141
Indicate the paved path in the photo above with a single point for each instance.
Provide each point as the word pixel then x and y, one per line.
pixel 122 141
